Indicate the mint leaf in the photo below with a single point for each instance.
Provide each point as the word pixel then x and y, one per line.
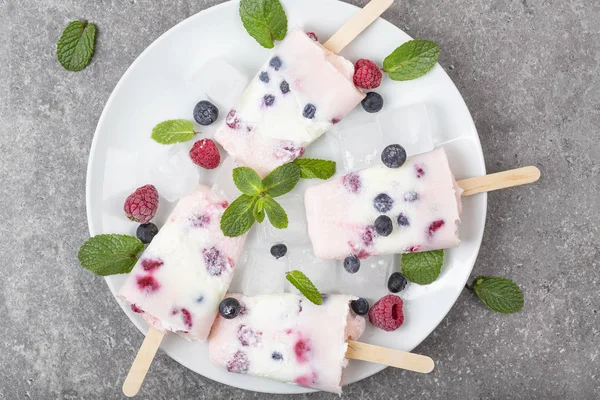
pixel 277 216
pixel 500 294
pixel 422 268
pixel 411 60
pixel 259 210
pixel 281 180
pixel 247 181
pixel 173 131
pixel 265 20
pixel 238 217
pixel 305 286
pixel 75 47
pixel 110 254
pixel 314 168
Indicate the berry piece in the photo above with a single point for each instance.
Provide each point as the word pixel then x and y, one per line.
pixel 393 156
pixel 231 120
pixel 142 204
pixel 215 262
pixel 278 250
pixel 313 36
pixel 352 264
pixel 146 232
pixel 285 87
pixel 414 249
pixel 136 309
pixel 383 203
pixel 268 100
pixel 367 236
pixel 309 111
pixel 360 306
pixel 275 63
pixel 264 77
pixel 403 220
pixel 238 363
pixel 205 113
pixel 372 103
pixel 186 316
pixel 387 313
pixel 419 171
pixel 229 308
pixel 435 226
pixel 302 350
pixel 151 264
pixel 247 336
pixel 396 282
pixel 148 284
pixel 288 150
pixel 352 182
pixel 199 221
pixel 205 154
pixel 277 356
pixel 411 197
pixel 367 74
pixel 383 225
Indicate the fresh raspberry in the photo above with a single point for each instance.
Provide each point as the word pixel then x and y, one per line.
pixel 313 36
pixel 387 313
pixel 205 154
pixel 142 204
pixel 367 74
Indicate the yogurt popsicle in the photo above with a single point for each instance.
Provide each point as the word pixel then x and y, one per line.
pixel 421 199
pixel 182 276
pixel 282 337
pixel 301 91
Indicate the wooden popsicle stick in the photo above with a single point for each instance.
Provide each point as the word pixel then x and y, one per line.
pixel 391 357
pixel 356 25
pixel 142 362
pixel 500 180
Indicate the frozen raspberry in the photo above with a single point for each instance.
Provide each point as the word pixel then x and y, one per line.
pixel 301 349
pixel 148 284
pixel 288 151
pixel 200 221
pixel 367 235
pixel 150 264
pixel 205 154
pixel 187 317
pixel 247 336
pixel 367 74
pixel 238 363
pixel 215 262
pixel 136 309
pixel 142 204
pixel 435 226
pixel 232 121
pixel 387 313
pixel 313 36
pixel 352 182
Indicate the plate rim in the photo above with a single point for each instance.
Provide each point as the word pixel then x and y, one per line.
pixel 92 152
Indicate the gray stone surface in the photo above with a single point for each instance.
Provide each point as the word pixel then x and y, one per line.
pixel 528 70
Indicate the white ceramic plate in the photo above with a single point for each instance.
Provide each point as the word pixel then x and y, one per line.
pixel 162 84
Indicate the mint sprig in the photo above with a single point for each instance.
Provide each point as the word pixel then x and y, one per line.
pixel 500 294
pixel 75 47
pixel 305 286
pixel 264 20
pixel 411 60
pixel 173 131
pixel 311 168
pixel 110 254
pixel 277 215
pixel 238 217
pixel 422 268
pixel 247 181
pixel 281 180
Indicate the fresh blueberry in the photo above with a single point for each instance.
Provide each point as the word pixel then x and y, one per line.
pixel 383 225
pixel 285 87
pixel 205 113
pixel 229 308
pixel 360 306
pixel 383 203
pixel 278 250
pixel 372 103
pixel 275 63
pixel 411 196
pixel 393 156
pixel 268 99
pixel 309 111
pixel 146 232
pixel 352 264
pixel 277 356
pixel 396 282
pixel 403 220
pixel 264 76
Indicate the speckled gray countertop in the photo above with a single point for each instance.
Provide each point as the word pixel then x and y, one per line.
pixel 529 72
